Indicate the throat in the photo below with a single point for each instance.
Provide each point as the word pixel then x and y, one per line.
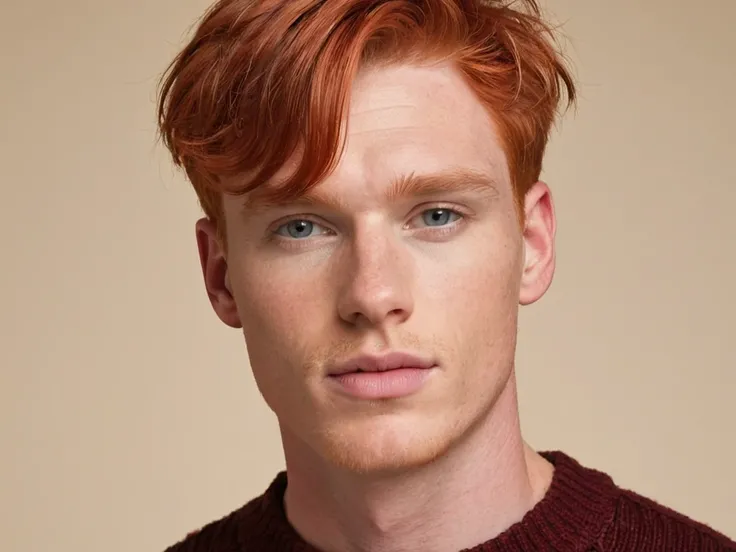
pixel 428 511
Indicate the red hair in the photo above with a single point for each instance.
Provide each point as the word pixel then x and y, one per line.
pixel 260 78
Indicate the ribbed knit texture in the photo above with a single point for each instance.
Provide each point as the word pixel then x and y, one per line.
pixel 583 511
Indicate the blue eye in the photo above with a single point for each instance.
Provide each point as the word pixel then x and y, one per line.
pixel 300 229
pixel 439 217
pixel 297 229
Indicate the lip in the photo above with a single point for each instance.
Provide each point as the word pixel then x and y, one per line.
pixel 390 376
pixel 381 363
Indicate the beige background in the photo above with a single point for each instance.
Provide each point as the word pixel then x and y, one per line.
pixel 129 415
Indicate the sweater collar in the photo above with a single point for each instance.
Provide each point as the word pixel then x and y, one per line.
pixel 572 515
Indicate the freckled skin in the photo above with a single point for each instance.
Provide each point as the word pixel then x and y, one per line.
pixel 373 277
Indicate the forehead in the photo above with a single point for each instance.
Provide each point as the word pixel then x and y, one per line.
pixel 426 113
pixel 406 121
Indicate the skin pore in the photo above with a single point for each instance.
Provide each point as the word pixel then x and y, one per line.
pixel 412 244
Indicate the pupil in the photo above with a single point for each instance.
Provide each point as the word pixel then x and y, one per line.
pixel 300 227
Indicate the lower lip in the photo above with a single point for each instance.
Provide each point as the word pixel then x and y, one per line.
pixel 391 384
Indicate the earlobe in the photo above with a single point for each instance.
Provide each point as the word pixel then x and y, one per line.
pixel 215 272
pixel 539 244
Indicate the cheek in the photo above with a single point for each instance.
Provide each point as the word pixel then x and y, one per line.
pixel 475 299
pixel 279 307
pixel 485 328
pixel 278 317
pixel 482 272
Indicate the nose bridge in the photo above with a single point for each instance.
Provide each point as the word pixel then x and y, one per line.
pixel 378 283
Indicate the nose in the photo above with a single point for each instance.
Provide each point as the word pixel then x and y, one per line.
pixel 377 287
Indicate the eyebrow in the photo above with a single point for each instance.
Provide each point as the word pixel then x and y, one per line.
pixel 454 180
pixel 413 185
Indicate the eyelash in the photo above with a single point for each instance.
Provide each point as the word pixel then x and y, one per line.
pixel 441 230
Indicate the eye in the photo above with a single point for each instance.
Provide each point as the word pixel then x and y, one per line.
pixel 439 217
pixel 300 229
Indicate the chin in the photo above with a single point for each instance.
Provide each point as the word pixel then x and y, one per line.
pixel 384 444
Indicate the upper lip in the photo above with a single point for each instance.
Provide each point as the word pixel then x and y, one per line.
pixel 381 363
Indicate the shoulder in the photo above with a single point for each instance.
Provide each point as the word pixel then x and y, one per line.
pixel 619 520
pixel 641 523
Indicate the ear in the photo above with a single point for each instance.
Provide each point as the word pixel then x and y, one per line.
pixel 212 256
pixel 539 244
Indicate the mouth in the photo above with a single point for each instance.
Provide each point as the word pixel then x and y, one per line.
pixel 390 376
pixel 383 363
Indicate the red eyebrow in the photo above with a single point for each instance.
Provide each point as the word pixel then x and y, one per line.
pixel 448 181
pixel 411 185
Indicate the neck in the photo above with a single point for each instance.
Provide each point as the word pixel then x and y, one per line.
pixel 485 484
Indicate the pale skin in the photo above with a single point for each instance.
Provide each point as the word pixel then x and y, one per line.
pixel 412 243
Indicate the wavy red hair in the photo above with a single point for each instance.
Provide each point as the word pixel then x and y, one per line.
pixel 262 78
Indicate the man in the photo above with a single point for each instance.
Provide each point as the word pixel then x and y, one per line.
pixel 369 172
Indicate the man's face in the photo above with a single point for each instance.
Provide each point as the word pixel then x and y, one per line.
pixel 411 245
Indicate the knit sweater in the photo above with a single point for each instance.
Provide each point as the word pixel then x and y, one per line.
pixel 582 511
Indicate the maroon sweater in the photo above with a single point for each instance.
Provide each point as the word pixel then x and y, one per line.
pixel 583 511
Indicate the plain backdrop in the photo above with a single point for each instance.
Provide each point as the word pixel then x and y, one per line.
pixel 129 414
